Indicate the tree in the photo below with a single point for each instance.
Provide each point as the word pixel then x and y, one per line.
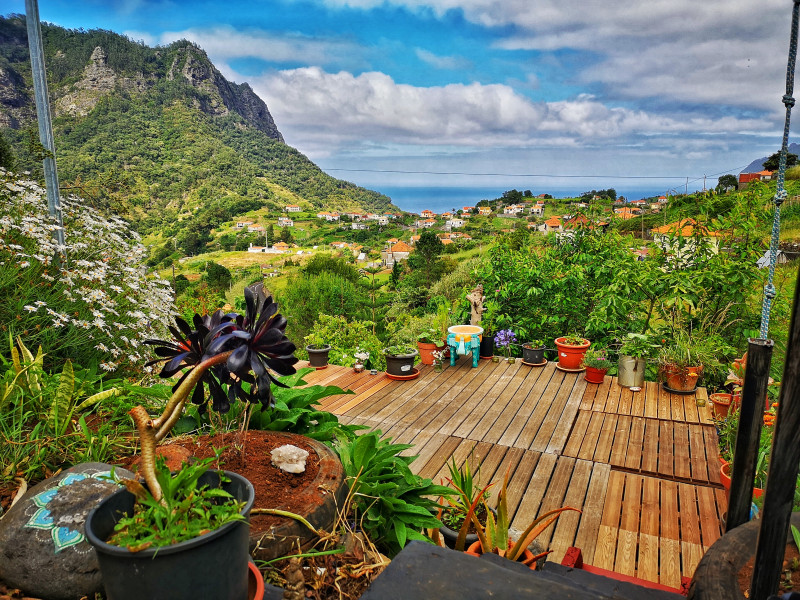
pixel 426 255
pixel 217 277
pixel 772 163
pixel 727 181
pixel 286 235
pixel 6 156
pixel 270 235
pixel 397 272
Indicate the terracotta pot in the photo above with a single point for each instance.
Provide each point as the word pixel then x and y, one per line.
pixel 569 356
pixel 526 558
pixel 593 375
pixel 426 352
pixel 721 405
pixel 725 478
pixel 255 582
pixel 681 379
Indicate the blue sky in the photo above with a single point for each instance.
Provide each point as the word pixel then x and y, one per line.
pixel 578 93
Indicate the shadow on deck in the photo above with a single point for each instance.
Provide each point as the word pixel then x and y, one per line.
pixel 643 467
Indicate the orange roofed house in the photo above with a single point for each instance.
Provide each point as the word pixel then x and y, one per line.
pixel 395 253
pixel 683 238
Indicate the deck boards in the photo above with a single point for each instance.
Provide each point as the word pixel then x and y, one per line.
pixel 641 466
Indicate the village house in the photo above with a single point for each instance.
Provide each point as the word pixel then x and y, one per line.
pixel 256 228
pixel 414 239
pixel 292 208
pixel 339 245
pixel 467 209
pixel 395 253
pixel 484 210
pixel 356 216
pixel 361 226
pixel 427 214
pixel 243 224
pixel 281 247
pixel 328 216
pixel 278 248
pixel 285 222
pixel 425 223
pixel 682 239
pixel 746 178
pixel 454 223
pixel 537 210
pixel 513 210
pixel 552 224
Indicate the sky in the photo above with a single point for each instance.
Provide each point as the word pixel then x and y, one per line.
pixel 583 94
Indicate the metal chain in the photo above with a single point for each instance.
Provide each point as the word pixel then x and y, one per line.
pixel 780 193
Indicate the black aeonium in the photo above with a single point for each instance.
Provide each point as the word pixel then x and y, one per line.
pixel 222 350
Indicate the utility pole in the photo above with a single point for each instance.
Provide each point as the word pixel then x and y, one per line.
pixel 43 115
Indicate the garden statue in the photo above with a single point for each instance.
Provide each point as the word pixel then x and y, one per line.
pixel 476 299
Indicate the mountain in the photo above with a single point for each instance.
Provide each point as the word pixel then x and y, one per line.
pixel 157 134
pixel 758 164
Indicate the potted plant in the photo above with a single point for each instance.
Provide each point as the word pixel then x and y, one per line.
pixel 681 364
pixel 494 536
pixel 636 348
pixel 234 356
pixel 429 341
pixel 720 404
pixel 571 349
pixel 361 357
pixel 400 359
pixel 456 522
pixel 317 351
pixel 505 338
pixel 596 363
pixel 489 323
pixel 533 352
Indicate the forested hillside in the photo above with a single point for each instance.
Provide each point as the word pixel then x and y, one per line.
pixel 156 134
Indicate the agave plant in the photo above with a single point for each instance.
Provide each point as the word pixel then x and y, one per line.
pixel 235 356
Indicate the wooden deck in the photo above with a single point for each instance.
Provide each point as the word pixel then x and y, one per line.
pixel 643 467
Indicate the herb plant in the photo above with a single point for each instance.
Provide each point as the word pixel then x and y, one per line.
pixel 184 511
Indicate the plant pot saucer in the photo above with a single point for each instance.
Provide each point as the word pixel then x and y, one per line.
pixel 541 364
pixel 320 368
pixel 413 375
pixel 578 370
pixel 673 391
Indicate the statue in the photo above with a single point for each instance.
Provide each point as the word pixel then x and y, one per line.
pixel 476 299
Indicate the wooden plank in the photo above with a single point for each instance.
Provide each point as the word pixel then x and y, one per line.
pixel 680 443
pixel 620 441
pixel 527 406
pixel 704 412
pixel 514 405
pixel 651 399
pixel 627 543
pixel 567 524
pixel 690 408
pixel 520 480
pixel 647 563
pixel 709 519
pixel 591 436
pixel 461 453
pixel 554 498
pixel 638 401
pixel 605 443
pixel 483 416
pixel 467 403
pixel 697 454
pixel 605 550
pixel 633 458
pixel 564 421
pixel 676 403
pixel 577 434
pixel 670 560
pixel 587 400
pixel 666 461
pixel 534 421
pixel 625 401
pixel 711 443
pixel 511 464
pixel 589 526
pixel 664 404
pixel 611 402
pixel 650 446
pixel 431 467
pixel 602 393
pixel 532 498
pixel 691 548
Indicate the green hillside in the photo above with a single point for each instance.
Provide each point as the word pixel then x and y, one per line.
pixel 157 133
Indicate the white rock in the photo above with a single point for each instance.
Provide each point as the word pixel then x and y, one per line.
pixel 290 458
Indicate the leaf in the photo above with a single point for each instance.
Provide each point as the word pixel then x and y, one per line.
pixel 98 397
pixel 59 412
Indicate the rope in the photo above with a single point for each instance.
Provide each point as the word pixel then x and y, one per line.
pixel 780 192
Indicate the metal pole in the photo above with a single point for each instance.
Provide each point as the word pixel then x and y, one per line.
pixel 748 436
pixel 783 469
pixel 43 115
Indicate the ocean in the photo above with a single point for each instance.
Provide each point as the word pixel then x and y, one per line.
pixel 442 199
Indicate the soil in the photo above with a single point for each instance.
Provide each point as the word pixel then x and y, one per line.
pixel 790 573
pixel 249 456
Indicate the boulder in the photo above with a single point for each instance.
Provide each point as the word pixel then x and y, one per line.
pixel 43 550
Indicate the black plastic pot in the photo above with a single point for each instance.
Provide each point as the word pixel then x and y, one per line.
pixel 213 565
pixel 400 364
pixel 318 355
pixel 487 346
pixel 533 355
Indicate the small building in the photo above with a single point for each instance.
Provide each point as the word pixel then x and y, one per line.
pixel 243 224
pixel 553 224
pixel 285 222
pixel 537 210
pixel 359 226
pixel 485 210
pixel 256 228
pixel 746 178
pixel 395 253
pixel 425 223
pixel 454 223
pixel 683 238
pixel 512 210
pixel 427 214
pixel 292 208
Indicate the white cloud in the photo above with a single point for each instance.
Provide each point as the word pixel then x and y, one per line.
pixel 443 62
pixel 312 105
